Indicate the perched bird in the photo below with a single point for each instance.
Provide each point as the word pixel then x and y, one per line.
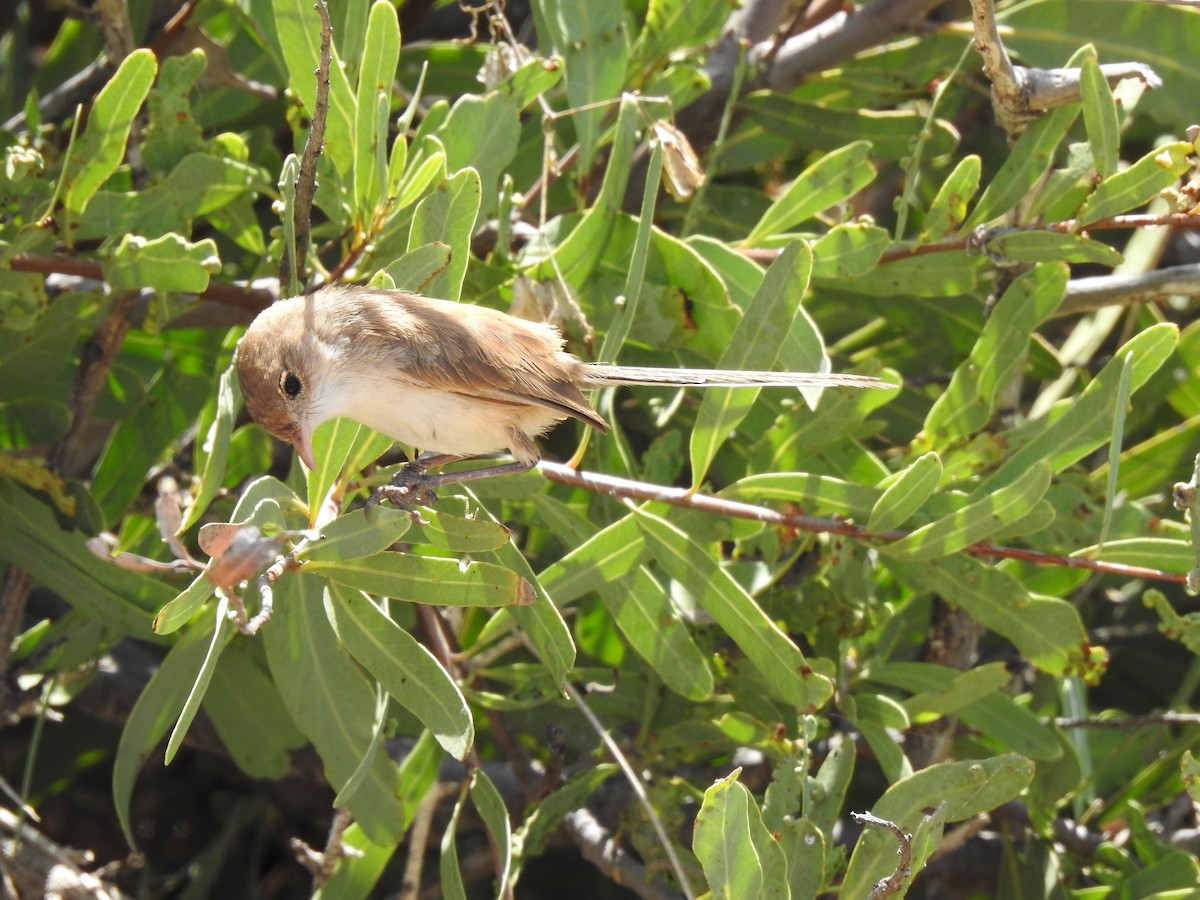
pixel 456 379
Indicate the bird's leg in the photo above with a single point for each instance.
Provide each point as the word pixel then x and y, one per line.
pixel 414 485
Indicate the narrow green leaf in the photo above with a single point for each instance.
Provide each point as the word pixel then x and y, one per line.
pixel 183 608
pixel 405 668
pixel 221 636
pixel 333 703
pixel 834 178
pixel 59 560
pixel 722 840
pixel 976 521
pixel 592 40
pixel 156 708
pixel 1050 246
pixel 101 148
pixel 212 447
pixel 819 493
pixel 1029 160
pixel 966 788
pixel 377 69
pixel 452 880
pixel 848 250
pixel 490 806
pixel 247 711
pixel 331 444
pixel 1138 184
pixel 543 819
pixel 754 344
pixel 1100 117
pixel 299 29
pixel 949 207
pixel 770 650
pixel 805 847
pixel 533 77
pixel 428 579
pixel 482 133
pixel 1087 424
pixel 609 562
pixel 1045 629
pixel 458 534
pixel 907 491
pixel 356 534
pixel 878 718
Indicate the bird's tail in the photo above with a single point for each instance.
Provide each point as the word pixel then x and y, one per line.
pixel 600 375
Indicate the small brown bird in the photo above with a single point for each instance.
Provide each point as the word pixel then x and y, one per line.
pixel 453 378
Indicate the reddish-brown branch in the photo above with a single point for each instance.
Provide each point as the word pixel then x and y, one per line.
pixel 641 490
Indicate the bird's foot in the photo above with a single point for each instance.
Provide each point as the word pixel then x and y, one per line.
pixel 412 486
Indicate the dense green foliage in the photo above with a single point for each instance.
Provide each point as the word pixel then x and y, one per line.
pixel 764 677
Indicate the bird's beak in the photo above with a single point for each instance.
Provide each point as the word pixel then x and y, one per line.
pixel 303 444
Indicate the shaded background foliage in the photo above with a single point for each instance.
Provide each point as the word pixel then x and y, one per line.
pixel 928 647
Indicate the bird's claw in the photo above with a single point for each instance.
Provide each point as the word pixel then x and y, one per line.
pixel 409 488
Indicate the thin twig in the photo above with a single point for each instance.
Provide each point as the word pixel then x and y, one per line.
pixel 635 785
pixel 291 270
pixel 14 593
pixel 418 839
pixel 1164 718
pixel 903 871
pixel 642 490
pixel 602 850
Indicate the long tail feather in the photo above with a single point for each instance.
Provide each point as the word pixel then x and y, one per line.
pixel 599 375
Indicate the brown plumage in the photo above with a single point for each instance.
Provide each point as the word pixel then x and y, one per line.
pixel 447 377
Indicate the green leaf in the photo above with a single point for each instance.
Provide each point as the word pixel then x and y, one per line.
pixel 419 266
pixel 592 41
pixel 976 521
pixel 1087 424
pixel 220 637
pixel 1028 161
pixel 765 645
pixel 820 493
pixel 448 215
pixel 377 70
pixel 608 562
pixel 1100 116
pixel 1052 246
pixel 949 207
pixel 741 859
pixel 1045 629
pixel 966 789
pixel 178 612
pixel 59 560
pixel 155 709
pixel 1138 184
pixel 331 445
pixel 248 713
pixel 299 31
pixel 975 388
pixel 212 447
pixel 97 154
pixel 428 579
pixel 333 703
pixel 826 127
pixel 482 132
pixel 459 534
pixel 452 880
pixel 169 264
pixel 754 344
pixel 357 534
pixel 407 670
pixel 490 806
pixel 908 489
pixel 848 250
pixel 831 180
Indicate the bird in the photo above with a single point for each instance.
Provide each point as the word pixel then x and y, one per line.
pixel 452 379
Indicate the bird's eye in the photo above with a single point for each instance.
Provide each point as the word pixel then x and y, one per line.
pixel 290 384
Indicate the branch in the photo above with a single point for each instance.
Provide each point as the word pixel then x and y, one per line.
pixel 1019 93
pixel 598 847
pixel 903 871
pixel 641 490
pixel 291 269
